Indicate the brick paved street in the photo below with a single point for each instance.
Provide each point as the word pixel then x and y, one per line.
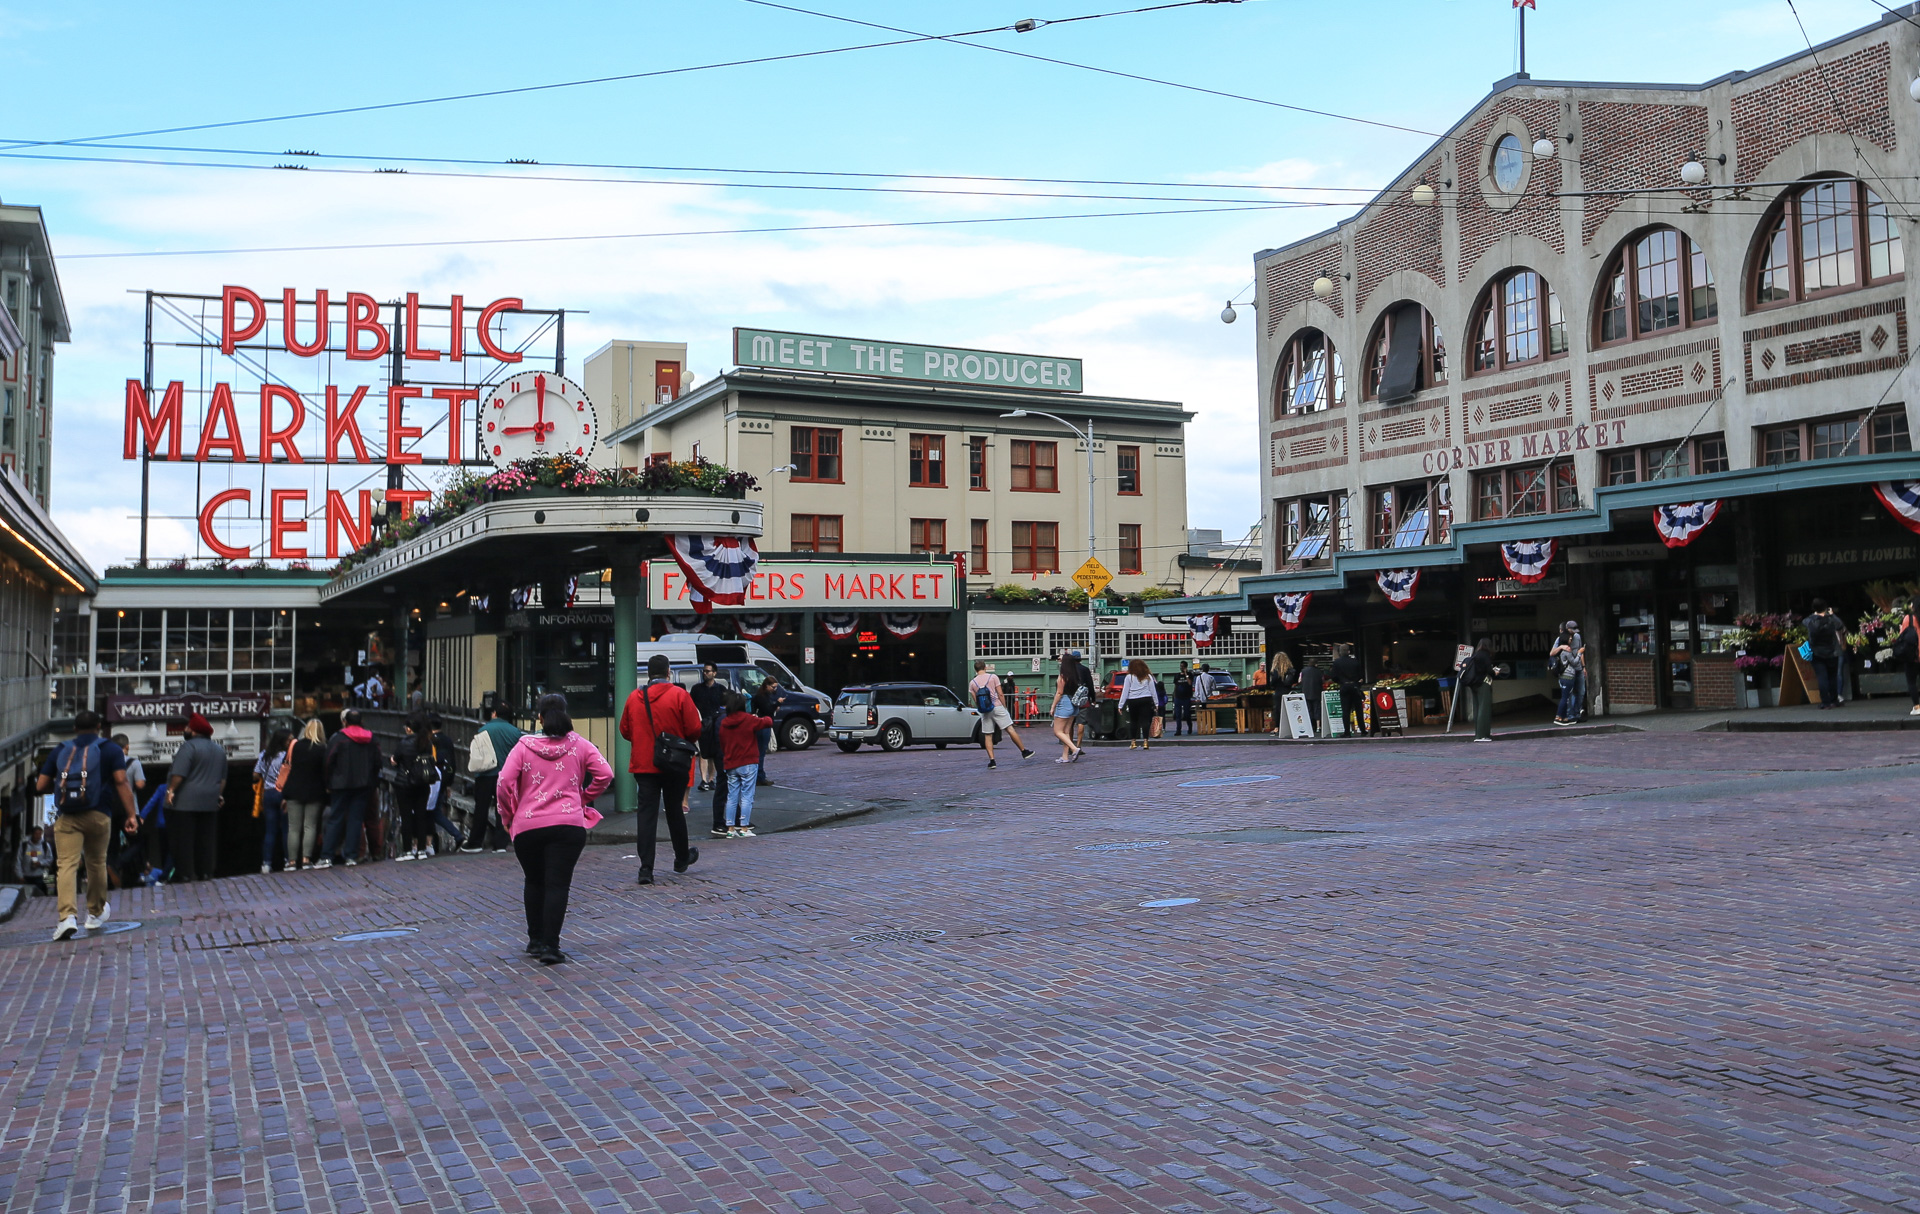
pixel 1608 973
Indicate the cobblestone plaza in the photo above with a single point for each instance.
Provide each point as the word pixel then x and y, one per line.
pixel 1604 973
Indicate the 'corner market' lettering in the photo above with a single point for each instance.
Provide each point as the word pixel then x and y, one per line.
pixel 1544 445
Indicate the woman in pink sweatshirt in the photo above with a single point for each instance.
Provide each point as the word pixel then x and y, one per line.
pixel 547 784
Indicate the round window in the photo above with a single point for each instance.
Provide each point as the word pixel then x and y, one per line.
pixel 1508 167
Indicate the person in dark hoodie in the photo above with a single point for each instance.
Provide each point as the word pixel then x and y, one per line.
pixel 1347 675
pixel 1313 681
pixel 740 762
pixel 353 768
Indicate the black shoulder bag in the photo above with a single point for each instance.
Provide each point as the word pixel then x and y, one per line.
pixel 672 754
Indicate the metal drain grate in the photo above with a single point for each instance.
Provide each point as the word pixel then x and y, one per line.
pixel 898 934
pixel 1128 845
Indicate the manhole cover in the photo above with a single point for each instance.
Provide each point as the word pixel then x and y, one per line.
pixel 1127 845
pixel 1157 903
pixel 903 933
pixel 1218 781
pixel 114 929
pixel 385 933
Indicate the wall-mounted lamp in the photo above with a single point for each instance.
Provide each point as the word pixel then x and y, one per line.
pixel 1423 195
pixel 1543 148
pixel 1695 173
pixel 1228 315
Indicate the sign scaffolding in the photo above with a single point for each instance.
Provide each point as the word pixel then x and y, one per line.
pixel 288 406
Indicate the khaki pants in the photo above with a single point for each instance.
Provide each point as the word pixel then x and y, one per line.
pixel 73 835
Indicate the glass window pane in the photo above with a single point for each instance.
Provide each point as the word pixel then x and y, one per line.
pixel 1526 491
pixel 1890 432
pixel 1520 320
pixel 1657 280
pixel 1489 495
pixel 1308 392
pixel 1711 454
pixel 1774 282
pixel 1414 514
pixel 1556 324
pixel 1442 497
pixel 1613 306
pixel 1703 301
pixel 1826 236
pixel 1666 462
pixel 1485 340
pixel 1884 256
pixel 1781 446
pixel 1566 487
pixel 1833 440
pixel 1623 468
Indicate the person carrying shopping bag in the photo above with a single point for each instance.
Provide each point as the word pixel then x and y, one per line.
pixel 547 786
pixel 1137 703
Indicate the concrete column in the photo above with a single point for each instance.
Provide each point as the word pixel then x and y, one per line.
pixel 629 605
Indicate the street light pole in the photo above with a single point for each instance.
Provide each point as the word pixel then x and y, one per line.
pixel 1093 644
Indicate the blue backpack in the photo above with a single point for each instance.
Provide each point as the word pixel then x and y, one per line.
pixel 983 700
pixel 77 788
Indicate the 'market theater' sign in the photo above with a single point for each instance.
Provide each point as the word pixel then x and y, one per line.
pixel 892 360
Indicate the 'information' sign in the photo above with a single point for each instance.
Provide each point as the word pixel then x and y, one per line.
pixel 891 360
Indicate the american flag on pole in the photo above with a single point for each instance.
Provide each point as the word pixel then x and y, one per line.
pixel 1524 4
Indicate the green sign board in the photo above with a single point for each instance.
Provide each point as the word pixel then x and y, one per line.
pixel 893 360
pixel 1116 609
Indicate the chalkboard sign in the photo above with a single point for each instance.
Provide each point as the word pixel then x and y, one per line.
pixel 1386 710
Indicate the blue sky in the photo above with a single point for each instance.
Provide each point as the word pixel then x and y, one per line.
pixel 1137 298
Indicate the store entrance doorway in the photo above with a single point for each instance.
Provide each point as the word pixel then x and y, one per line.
pixel 872 654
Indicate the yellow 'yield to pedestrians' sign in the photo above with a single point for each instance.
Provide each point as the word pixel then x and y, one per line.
pixel 1092 577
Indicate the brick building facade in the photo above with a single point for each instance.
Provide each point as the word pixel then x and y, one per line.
pixel 1541 331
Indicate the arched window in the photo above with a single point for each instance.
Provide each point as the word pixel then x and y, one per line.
pixel 1830 236
pixel 1518 322
pixel 1657 281
pixel 1311 376
pixel 1405 355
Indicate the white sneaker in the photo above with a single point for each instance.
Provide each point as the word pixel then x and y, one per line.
pixel 266 868
pixel 403 857
pixel 321 864
pixel 746 832
pixel 428 854
pixel 68 929
pixel 351 863
pixel 96 922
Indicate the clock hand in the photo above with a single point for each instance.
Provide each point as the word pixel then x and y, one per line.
pixel 535 429
pixel 540 399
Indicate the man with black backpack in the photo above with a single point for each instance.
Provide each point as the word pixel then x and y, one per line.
pixel 87 775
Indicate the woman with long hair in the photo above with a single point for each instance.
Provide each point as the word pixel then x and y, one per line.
pixel 547 786
pixel 1066 686
pixel 303 789
pixel 1137 701
pixel 273 818
pixel 413 759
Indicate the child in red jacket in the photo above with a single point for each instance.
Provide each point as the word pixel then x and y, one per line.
pixel 740 757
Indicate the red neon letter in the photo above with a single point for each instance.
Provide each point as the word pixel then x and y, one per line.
pixel 363 316
pixel 153 426
pixel 279 526
pixel 322 324
pixel 230 336
pixel 358 532
pixel 341 422
pixel 206 522
pixel 486 324
pixel 397 430
pixel 407 498
pixel 413 331
pixel 457 331
pixel 270 437
pixel 456 419
pixel 220 413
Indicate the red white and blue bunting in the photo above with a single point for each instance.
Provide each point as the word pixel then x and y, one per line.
pixel 840 625
pixel 1527 560
pixel 1902 500
pixel 1398 585
pixel 718 568
pixel 682 623
pixel 901 623
pixel 1204 628
pixel 1292 608
pixel 1680 522
pixel 756 624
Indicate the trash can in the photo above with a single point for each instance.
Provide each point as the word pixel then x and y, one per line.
pixel 1106 721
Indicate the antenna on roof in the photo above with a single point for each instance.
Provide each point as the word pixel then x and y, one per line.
pixel 1521 7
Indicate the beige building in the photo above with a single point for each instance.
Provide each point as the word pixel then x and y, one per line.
pixel 855 465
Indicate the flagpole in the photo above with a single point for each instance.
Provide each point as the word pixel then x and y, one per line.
pixel 1523 39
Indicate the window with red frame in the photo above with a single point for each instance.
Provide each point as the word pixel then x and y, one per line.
pixel 1829 236
pixel 815 454
pixel 1036 547
pixel 977 558
pixel 1035 466
pixel 1130 553
pixel 927 535
pixel 1129 465
pixel 977 462
pixel 927 461
pixel 816 533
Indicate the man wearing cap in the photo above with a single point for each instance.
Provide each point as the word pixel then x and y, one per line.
pixel 194 789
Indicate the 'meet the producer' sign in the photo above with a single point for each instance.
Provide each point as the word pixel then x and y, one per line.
pixel 891 360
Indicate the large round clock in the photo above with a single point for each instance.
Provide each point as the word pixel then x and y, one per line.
pixel 536 413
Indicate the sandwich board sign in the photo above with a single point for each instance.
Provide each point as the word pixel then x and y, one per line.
pixel 1299 720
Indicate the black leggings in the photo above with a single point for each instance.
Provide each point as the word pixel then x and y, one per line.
pixel 1140 717
pixel 416 819
pixel 547 857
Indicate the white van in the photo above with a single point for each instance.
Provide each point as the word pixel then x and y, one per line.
pixel 744 665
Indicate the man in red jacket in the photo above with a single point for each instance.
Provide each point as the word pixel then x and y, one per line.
pixel 663 706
